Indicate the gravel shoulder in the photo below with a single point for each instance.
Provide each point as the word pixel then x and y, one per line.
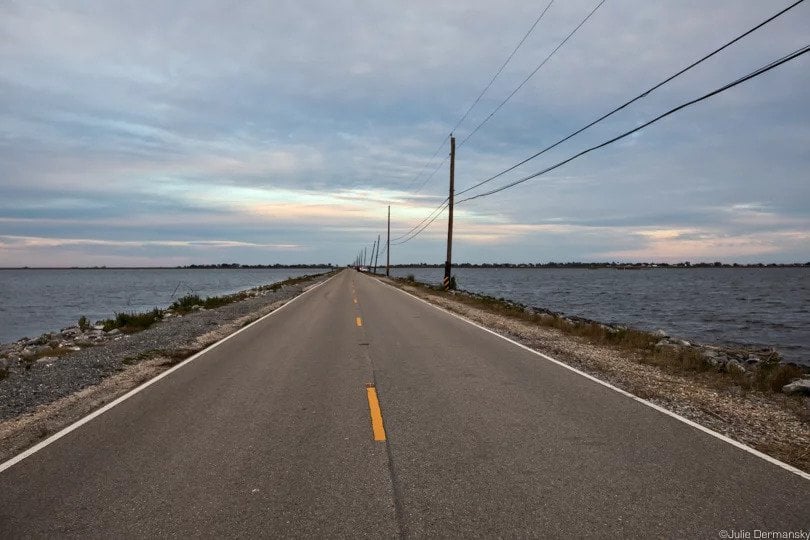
pixel 42 398
pixel 773 423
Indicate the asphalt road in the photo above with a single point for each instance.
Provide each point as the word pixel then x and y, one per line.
pixel 270 434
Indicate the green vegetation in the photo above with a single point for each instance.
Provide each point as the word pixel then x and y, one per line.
pixel 191 302
pixel 84 323
pixel 133 322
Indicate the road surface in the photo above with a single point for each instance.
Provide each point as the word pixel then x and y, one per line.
pixel 270 434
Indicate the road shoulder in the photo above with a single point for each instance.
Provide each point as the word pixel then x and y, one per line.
pixel 776 425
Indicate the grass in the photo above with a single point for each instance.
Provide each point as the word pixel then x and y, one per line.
pixel 770 375
pixel 133 322
pixel 188 303
pixel 84 323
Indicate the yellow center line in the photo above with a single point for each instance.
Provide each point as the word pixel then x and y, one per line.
pixel 358 321
pixel 376 414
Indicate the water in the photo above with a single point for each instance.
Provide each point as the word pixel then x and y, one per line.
pixel 36 301
pixel 761 307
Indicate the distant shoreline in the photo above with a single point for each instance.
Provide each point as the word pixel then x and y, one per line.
pixel 190 267
pixel 619 266
pixel 580 265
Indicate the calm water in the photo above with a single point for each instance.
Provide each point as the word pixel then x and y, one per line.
pixel 745 306
pixel 36 301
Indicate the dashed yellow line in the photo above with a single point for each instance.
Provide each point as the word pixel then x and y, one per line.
pixel 358 321
pixel 376 414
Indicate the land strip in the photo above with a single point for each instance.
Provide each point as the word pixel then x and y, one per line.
pixel 40 396
pixel 739 403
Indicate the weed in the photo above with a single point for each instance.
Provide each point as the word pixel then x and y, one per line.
pixel 133 322
pixel 84 323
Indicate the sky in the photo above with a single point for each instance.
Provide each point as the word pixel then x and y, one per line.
pixel 159 133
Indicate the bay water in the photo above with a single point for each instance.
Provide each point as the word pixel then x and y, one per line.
pixel 757 307
pixel 35 301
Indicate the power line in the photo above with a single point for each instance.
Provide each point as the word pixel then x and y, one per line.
pixel 497 73
pixel 439 166
pixel 423 220
pixel 477 99
pixel 633 100
pixel 425 226
pixel 515 91
pixel 428 162
pixel 792 56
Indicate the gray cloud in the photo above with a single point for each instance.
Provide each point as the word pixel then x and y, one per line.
pixel 154 121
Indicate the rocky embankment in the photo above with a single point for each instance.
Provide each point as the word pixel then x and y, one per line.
pixel 36 372
pixel 740 361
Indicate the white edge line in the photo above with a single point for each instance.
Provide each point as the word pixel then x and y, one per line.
pixel 658 408
pixel 79 423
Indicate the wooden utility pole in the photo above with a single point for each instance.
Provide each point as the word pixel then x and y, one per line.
pixel 449 262
pixel 388 246
pixel 377 256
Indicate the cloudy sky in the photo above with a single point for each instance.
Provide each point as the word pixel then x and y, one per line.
pixel 166 133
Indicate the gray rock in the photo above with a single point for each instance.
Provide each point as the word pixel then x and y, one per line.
pixel 98 327
pixel 71 332
pixel 711 361
pixel 114 332
pixel 802 386
pixel 733 366
pixel 660 334
pixel 47 360
pixel 34 350
pixel 666 346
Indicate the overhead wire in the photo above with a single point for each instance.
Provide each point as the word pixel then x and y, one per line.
pixel 425 166
pixel 532 74
pixel 425 226
pixel 489 85
pixel 760 71
pixel 633 100
pixel 423 220
pixel 474 103
pixel 503 66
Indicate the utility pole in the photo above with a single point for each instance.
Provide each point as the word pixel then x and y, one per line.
pixel 388 246
pixel 448 263
pixel 371 256
pixel 377 256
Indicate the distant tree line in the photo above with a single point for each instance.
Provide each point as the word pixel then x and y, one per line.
pixel 636 265
pixel 254 266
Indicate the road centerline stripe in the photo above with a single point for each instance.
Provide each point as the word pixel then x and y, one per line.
pixel 358 321
pixel 376 414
